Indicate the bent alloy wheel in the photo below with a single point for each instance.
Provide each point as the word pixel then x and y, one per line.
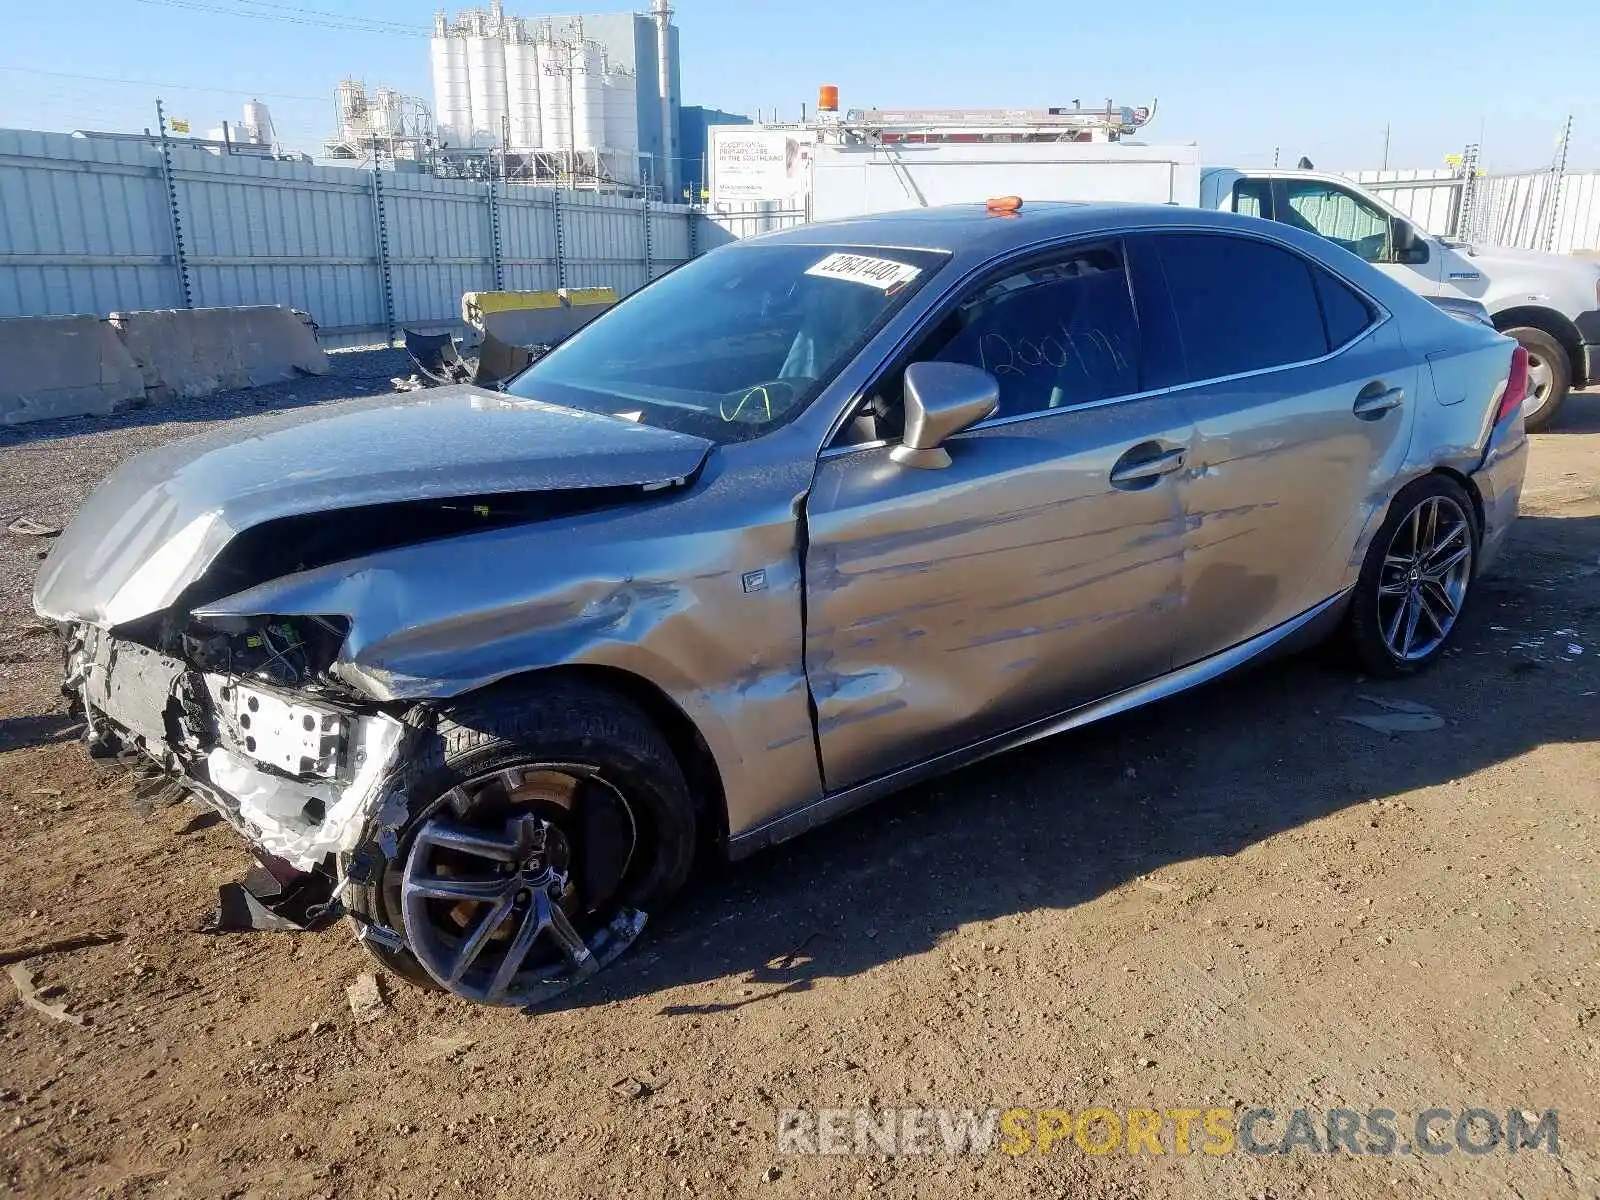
pixel 499 882
pixel 532 830
pixel 1416 579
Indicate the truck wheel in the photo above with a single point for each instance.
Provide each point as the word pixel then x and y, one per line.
pixel 538 827
pixel 1549 376
pixel 1416 578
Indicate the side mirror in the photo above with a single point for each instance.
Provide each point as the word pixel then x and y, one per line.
pixel 941 399
pixel 1408 246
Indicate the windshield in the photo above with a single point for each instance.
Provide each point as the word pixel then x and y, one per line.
pixel 734 344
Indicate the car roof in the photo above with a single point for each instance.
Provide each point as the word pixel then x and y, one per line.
pixel 971 230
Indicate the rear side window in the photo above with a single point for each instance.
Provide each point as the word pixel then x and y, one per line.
pixel 1057 333
pixel 1345 314
pixel 1241 305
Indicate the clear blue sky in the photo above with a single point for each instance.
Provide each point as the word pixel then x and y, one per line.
pixel 1239 78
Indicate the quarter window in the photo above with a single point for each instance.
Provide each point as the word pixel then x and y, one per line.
pixel 1055 334
pixel 1345 314
pixel 1240 305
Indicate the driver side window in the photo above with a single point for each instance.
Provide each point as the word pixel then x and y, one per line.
pixel 1055 333
pixel 1340 216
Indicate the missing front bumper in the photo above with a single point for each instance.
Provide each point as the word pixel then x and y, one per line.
pixel 297 778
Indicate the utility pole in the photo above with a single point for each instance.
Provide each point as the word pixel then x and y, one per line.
pixel 1275 156
pixel 1385 147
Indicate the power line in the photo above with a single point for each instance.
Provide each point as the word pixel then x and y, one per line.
pixel 375 23
pixel 177 87
pixel 306 16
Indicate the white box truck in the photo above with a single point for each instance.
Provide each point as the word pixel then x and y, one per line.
pixel 1548 302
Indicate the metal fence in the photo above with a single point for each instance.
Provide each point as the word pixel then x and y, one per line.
pixel 95 226
pixel 731 222
pixel 1532 210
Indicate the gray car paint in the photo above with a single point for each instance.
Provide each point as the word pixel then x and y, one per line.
pixel 155 524
pixel 704 593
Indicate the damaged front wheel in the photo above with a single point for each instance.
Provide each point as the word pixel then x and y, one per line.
pixel 543 825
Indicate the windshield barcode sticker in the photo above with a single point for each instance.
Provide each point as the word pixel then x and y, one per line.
pixel 882 273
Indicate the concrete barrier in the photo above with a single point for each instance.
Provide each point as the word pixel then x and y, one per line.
pixel 197 351
pixel 534 318
pixel 63 367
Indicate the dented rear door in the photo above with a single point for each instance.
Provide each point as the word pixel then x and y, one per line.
pixel 1303 397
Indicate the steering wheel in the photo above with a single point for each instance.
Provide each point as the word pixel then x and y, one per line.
pixel 760 402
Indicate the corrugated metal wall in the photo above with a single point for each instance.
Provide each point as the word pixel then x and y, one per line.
pixel 733 222
pixel 1431 202
pixel 1525 210
pixel 1522 210
pixel 86 227
pixel 83 227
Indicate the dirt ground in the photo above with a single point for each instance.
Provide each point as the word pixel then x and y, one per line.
pixel 1235 899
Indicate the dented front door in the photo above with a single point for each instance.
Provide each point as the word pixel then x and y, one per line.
pixel 943 606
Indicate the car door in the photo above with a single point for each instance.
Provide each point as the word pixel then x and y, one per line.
pixel 1302 396
pixel 1352 221
pixel 1039 570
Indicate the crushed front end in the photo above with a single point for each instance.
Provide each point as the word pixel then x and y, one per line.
pixel 245 718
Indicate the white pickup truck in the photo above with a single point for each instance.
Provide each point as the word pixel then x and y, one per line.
pixel 1548 302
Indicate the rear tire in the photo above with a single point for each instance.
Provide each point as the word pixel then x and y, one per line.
pixel 1547 362
pixel 503 755
pixel 1416 579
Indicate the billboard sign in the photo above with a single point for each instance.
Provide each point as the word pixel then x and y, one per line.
pixel 761 165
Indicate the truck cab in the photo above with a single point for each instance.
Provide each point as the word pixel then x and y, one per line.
pixel 1550 303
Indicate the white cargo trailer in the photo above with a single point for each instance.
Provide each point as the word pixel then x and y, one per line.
pixel 853 179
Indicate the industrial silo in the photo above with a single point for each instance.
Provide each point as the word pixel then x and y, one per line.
pixel 588 96
pixel 555 92
pixel 622 124
pixel 452 89
pixel 522 89
pixel 486 71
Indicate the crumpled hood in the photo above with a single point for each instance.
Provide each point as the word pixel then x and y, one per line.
pixel 157 522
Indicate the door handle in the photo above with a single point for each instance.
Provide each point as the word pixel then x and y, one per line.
pixel 1139 467
pixel 1375 400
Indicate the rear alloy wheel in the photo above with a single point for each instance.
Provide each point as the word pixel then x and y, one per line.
pixel 1416 578
pixel 1549 376
pixel 532 845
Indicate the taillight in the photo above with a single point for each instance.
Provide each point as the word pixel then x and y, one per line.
pixel 1516 392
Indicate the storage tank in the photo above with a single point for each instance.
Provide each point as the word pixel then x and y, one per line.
pixel 555 94
pixel 452 90
pixel 257 124
pixel 522 92
pixel 622 124
pixel 486 72
pixel 588 96
pixel 388 113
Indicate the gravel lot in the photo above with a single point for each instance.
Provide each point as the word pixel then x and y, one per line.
pixel 1235 899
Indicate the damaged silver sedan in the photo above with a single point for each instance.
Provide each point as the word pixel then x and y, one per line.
pixel 803 522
